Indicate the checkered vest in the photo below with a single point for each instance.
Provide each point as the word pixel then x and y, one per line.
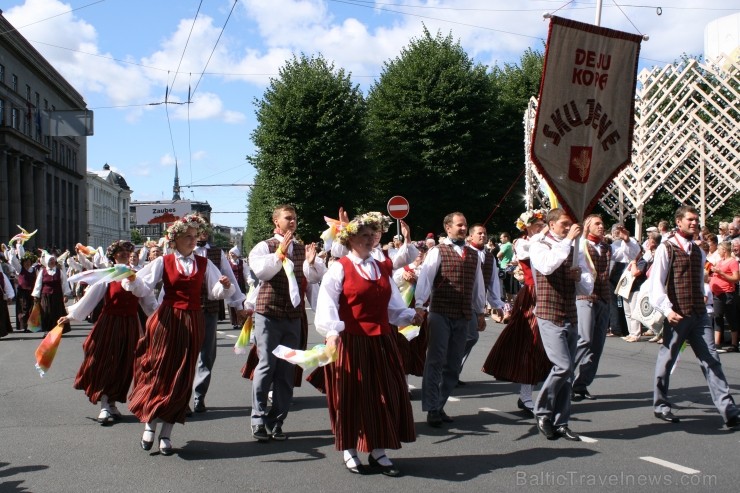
pixel 684 281
pixel 210 306
pixel 556 294
pixel 273 298
pixel 452 291
pixel 602 288
pixel 487 268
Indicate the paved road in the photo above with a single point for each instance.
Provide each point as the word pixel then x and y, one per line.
pixel 51 442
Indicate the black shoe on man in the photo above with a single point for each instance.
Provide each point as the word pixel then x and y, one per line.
pixel 544 424
pixel 259 432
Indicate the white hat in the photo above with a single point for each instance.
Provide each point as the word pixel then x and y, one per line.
pixel 235 251
pixel 652 229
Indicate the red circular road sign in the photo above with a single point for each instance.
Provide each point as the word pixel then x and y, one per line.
pixel 398 207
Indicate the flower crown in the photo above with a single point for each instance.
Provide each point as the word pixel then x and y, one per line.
pixel 375 220
pixel 184 223
pixel 529 217
pixel 29 256
pixel 116 247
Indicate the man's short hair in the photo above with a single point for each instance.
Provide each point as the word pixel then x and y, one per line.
pixel 555 214
pixel 477 225
pixel 449 217
pixel 282 207
pixel 685 209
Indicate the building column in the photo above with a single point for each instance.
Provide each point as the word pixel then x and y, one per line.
pixel 28 201
pixel 4 199
pixel 39 187
pixel 14 192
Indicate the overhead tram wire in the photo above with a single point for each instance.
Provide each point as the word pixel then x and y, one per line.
pixel 233 6
pixel 15 29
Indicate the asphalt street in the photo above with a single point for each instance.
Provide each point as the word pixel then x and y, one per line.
pixel 51 442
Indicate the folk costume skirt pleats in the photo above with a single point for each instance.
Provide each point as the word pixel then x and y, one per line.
pixel 367 395
pixel 518 354
pixel 164 367
pixel 52 308
pixel 108 367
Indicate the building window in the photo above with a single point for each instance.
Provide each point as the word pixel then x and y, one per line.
pixel 14 117
pixel 2 112
pixel 14 84
pixel 28 93
pixel 2 73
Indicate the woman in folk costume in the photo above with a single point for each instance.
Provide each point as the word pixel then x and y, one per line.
pixel 167 353
pixel 242 274
pixel 52 291
pixel 108 365
pixel 369 407
pixel 6 294
pixel 518 354
pixel 26 279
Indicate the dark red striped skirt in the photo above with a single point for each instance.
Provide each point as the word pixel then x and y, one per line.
pixel 518 354
pixel 5 327
pixel 52 308
pixel 414 352
pixel 23 306
pixel 367 395
pixel 109 349
pixel 164 366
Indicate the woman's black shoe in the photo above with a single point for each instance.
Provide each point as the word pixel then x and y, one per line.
pixel 358 469
pixel 391 470
pixel 528 410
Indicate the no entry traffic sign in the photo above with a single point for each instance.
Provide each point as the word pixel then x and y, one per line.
pixel 398 207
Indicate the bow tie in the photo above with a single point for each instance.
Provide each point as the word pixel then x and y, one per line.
pixel 459 243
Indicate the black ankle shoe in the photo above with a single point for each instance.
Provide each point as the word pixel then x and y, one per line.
pixel 167 449
pixel 147 445
pixel 391 470
pixel 358 469
pixel 528 410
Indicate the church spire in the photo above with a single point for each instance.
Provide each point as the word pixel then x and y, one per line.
pixel 176 186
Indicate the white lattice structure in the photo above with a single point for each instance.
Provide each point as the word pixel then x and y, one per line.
pixel 686 140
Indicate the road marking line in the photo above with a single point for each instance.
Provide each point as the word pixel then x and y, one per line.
pixel 506 415
pixel 412 387
pixel 222 333
pixel 453 399
pixel 588 439
pixel 670 465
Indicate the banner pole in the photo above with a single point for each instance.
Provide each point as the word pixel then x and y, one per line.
pixel 598 13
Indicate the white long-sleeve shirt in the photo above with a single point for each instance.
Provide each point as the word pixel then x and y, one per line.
pixel 659 274
pixel 546 260
pixel 327 319
pixel 7 288
pixel 236 300
pixel 66 291
pixel 94 293
pixel 265 265
pixel 625 252
pixel 493 286
pixel 429 269
pixel 152 273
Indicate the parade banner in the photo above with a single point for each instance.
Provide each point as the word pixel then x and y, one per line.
pixel 585 116
pixel 162 213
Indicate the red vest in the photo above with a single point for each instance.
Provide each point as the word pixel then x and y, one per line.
pixel 363 304
pixel 51 284
pixel 120 302
pixel 181 291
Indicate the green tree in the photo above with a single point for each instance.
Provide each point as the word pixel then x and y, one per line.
pixel 514 85
pixel 310 149
pixel 430 126
pixel 136 237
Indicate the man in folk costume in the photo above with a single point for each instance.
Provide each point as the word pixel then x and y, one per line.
pixel 556 283
pixel 244 280
pixel 593 310
pixel 452 279
pixel 207 356
pixel 677 290
pixel 477 239
pixel 277 319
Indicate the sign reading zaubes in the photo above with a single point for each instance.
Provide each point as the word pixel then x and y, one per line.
pixel 162 213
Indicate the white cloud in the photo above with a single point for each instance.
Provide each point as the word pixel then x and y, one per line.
pixel 167 160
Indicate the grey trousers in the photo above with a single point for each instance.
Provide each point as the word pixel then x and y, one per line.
pixel 206 358
pixel 553 401
pixel 447 338
pixel 471 339
pixel 697 330
pixel 273 373
pixel 593 322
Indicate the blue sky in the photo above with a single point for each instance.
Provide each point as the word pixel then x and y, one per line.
pixel 122 55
